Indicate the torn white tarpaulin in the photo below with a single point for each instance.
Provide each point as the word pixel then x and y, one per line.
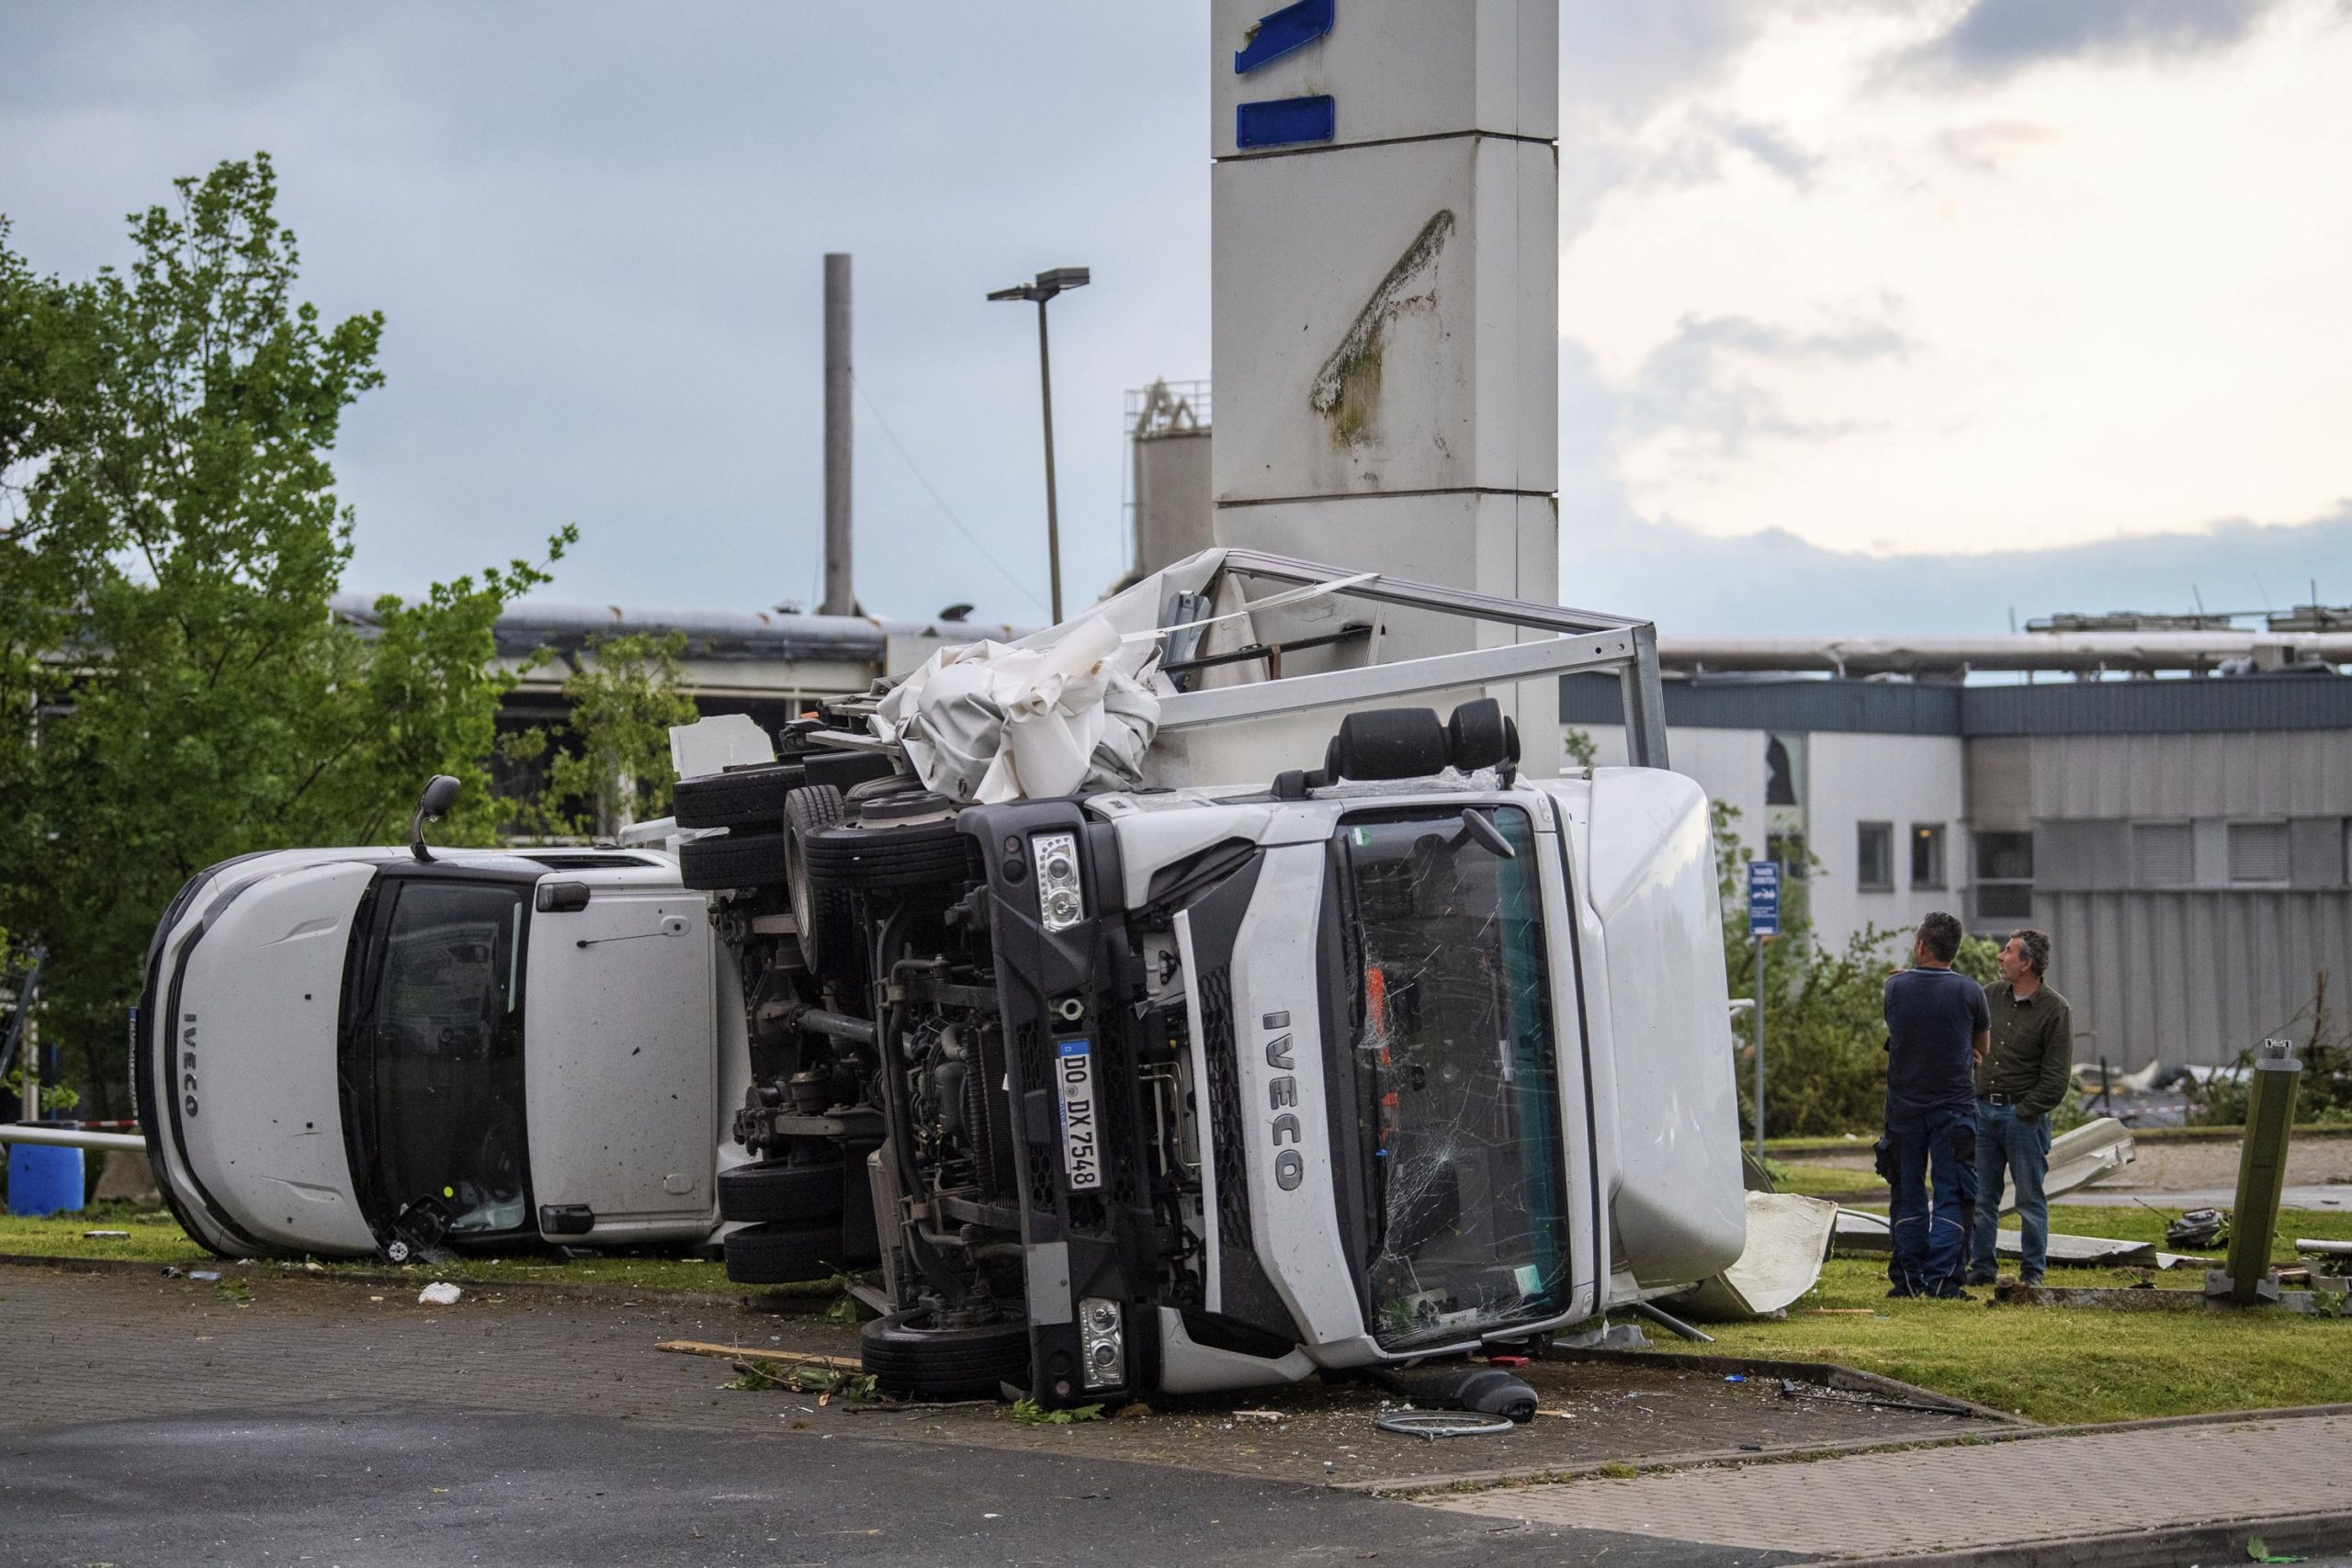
pixel 993 721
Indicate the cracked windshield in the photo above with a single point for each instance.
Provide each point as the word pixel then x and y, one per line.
pixel 1458 1099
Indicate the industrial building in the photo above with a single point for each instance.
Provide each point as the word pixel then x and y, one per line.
pixel 2184 841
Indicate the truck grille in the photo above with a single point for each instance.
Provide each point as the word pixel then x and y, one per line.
pixel 1044 1176
pixel 1218 1044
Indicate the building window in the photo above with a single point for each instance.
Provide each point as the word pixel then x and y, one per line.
pixel 2003 876
pixel 2163 854
pixel 1875 857
pixel 2258 852
pixel 1787 846
pixel 1928 855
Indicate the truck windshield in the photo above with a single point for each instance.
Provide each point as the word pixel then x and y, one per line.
pixel 434 1064
pixel 1457 1088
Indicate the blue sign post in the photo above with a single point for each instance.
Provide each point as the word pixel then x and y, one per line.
pixel 1763 922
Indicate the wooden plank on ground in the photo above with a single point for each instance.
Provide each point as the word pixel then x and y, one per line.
pixel 760 1353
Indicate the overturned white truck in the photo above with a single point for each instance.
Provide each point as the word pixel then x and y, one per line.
pixel 1139 1053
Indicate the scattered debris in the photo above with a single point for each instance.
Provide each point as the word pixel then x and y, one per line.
pixel 1029 1413
pixel 205 1274
pixel 1432 1424
pixel 440 1293
pixel 2198 1229
pixel 1608 1337
pixel 737 1352
pixel 1788 1236
pixel 106 1235
pixel 828 1383
pixel 1259 1416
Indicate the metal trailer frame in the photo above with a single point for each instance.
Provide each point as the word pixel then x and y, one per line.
pixel 1580 639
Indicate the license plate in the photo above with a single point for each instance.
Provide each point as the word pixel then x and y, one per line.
pixel 1081 1153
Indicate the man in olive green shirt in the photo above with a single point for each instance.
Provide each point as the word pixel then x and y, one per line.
pixel 2019 1084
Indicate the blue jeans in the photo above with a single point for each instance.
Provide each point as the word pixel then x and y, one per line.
pixel 1934 1188
pixel 2020 1146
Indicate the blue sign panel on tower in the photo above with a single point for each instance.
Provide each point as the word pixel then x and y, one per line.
pixel 1763 897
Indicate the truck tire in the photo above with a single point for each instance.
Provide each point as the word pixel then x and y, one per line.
pixel 906 1356
pixel 734 859
pixel 783 1255
pixel 889 859
pixel 829 937
pixel 741 797
pixel 797 1194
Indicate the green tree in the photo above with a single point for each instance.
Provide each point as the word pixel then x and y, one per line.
pixel 609 765
pixel 173 689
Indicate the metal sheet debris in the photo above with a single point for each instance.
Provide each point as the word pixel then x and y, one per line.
pixel 1859 1233
pixel 1788 1236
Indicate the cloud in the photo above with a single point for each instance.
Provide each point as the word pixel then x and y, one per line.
pixel 1775 583
pixel 2110 293
pixel 1701 388
pixel 1995 37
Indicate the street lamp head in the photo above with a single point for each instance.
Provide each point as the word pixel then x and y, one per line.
pixel 1048 284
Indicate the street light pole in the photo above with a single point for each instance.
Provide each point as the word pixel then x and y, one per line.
pixel 1053 511
pixel 1047 285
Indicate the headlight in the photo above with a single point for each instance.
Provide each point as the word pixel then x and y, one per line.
pixel 1102 1338
pixel 1060 903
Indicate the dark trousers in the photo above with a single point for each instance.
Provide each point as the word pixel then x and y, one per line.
pixel 1935 1192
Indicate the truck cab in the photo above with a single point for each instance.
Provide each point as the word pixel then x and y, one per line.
pixel 344 1052
pixel 1209 1083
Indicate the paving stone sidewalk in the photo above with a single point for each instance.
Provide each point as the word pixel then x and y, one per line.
pixel 1952 1498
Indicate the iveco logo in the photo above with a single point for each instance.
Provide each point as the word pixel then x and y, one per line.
pixel 1282 1096
pixel 187 1063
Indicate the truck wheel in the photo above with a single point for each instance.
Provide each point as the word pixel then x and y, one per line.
pixel 734 859
pixel 827 936
pixel 799 1194
pixel 877 853
pixel 741 797
pixel 907 1355
pixel 783 1255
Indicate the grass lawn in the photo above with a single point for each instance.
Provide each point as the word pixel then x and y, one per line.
pixel 155 1237
pixel 2070 1364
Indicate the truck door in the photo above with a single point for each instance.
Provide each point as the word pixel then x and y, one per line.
pixel 621 1055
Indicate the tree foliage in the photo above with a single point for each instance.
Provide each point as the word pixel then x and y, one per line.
pixel 174 688
pixel 610 765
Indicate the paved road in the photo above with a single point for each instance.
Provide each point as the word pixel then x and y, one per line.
pixel 420 1486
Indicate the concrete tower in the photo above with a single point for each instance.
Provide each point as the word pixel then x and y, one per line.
pixel 1386 317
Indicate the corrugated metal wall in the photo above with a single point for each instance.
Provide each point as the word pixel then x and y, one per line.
pixel 2281 773
pixel 2194 976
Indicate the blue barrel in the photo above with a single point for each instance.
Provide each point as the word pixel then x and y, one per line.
pixel 44 1180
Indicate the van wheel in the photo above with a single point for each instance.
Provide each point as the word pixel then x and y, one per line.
pixel 741 797
pixel 783 1255
pixel 798 1194
pixel 828 938
pixel 906 1355
pixel 734 859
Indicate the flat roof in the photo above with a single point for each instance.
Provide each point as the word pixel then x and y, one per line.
pixel 2051 707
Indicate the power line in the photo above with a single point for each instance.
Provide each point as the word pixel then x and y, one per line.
pixel 904 457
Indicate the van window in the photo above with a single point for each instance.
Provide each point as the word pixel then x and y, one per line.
pixel 438 1053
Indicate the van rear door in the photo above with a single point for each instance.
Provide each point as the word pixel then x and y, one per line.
pixel 620 1041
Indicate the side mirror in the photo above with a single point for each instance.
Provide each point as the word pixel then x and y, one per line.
pixel 440 793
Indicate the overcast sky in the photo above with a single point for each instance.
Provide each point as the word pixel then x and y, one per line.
pixel 1873 317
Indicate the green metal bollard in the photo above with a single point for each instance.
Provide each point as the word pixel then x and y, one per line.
pixel 2262 1175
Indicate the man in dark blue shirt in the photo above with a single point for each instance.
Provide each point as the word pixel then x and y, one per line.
pixel 1938 1028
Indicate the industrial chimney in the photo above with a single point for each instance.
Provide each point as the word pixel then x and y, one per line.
pixel 839 598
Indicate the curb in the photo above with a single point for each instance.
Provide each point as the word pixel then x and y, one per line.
pixel 1734 1459
pixel 750 1300
pixel 2163 1547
